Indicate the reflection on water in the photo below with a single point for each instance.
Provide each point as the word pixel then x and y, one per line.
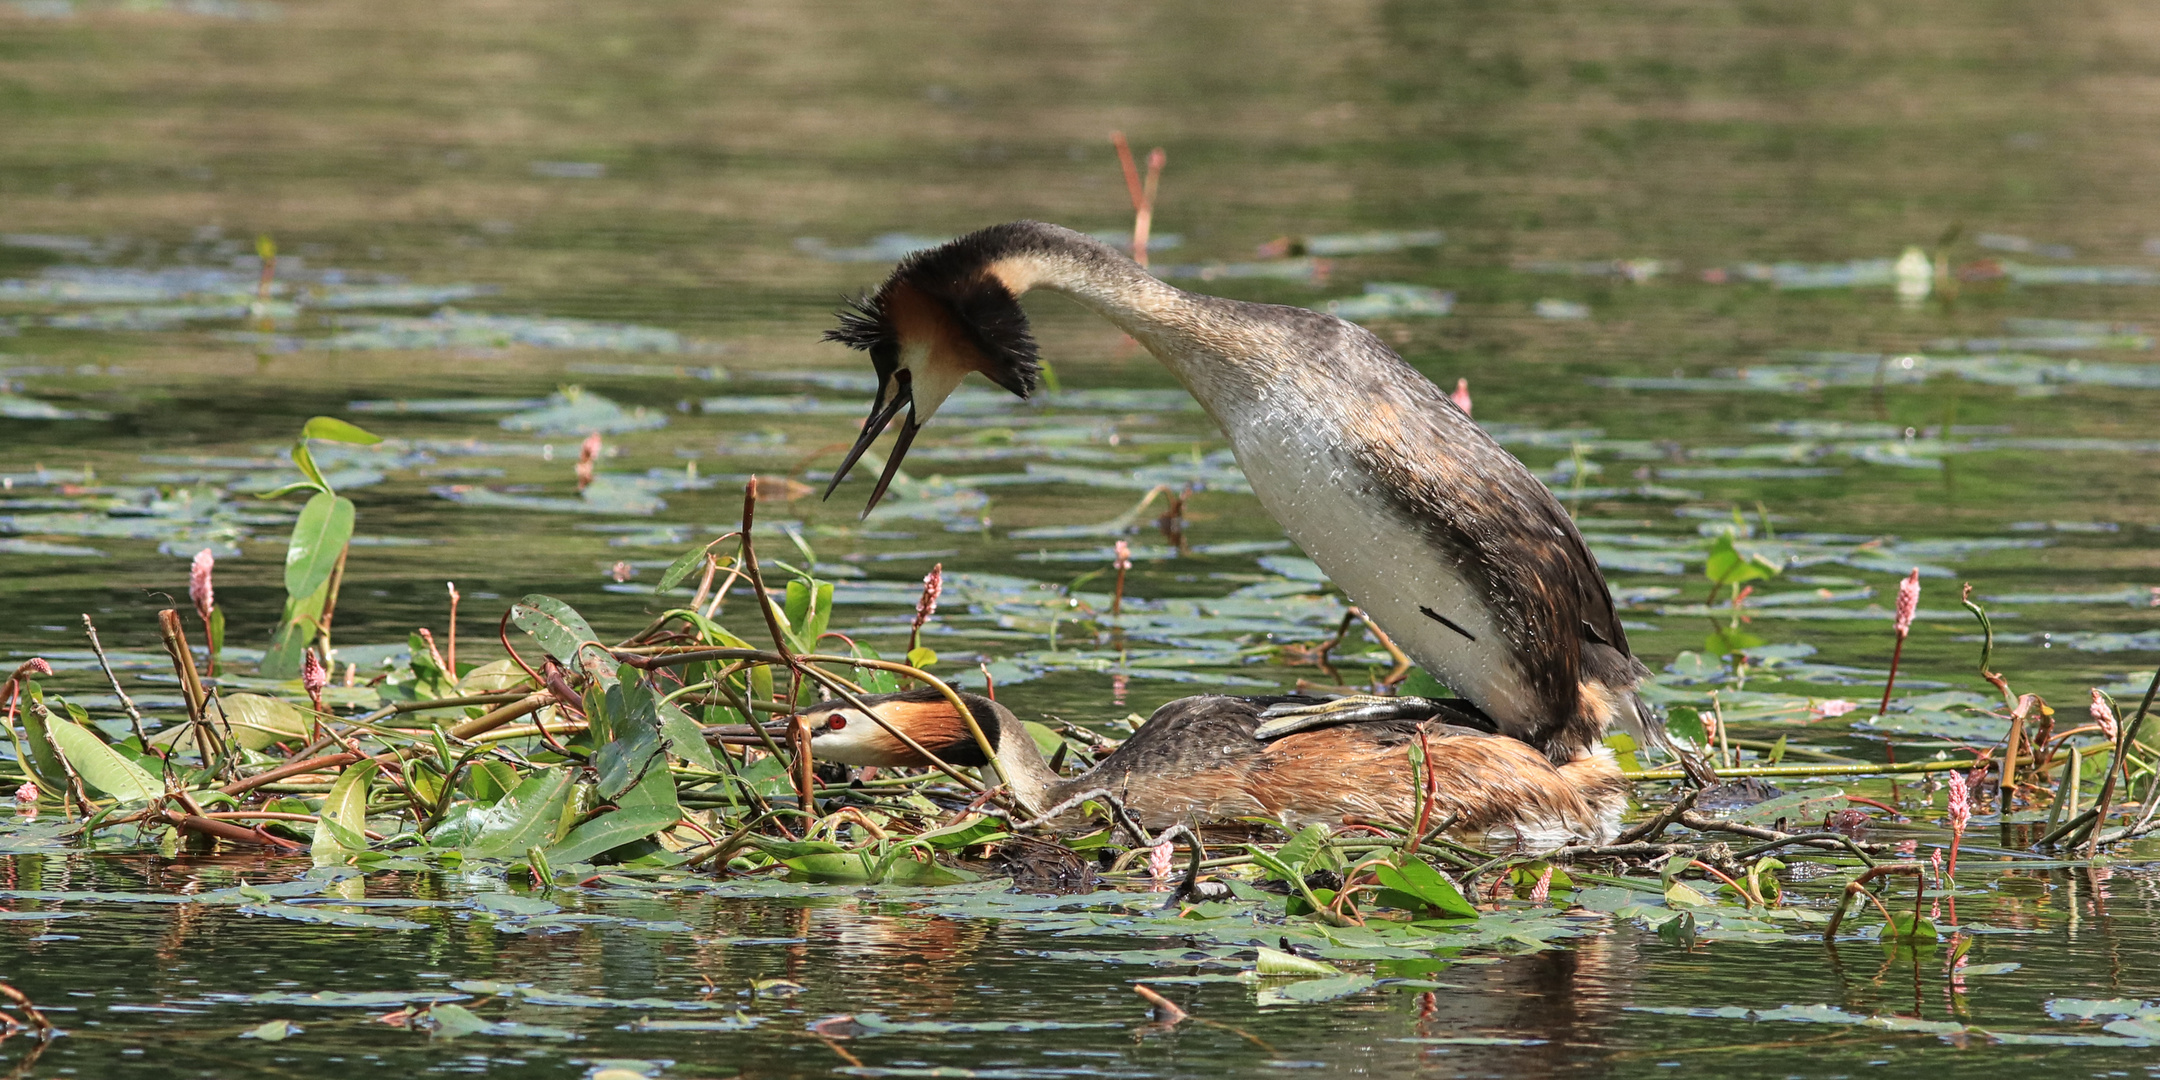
pixel 1664 247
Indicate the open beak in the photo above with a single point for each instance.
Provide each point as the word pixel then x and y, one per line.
pixel 744 734
pixel 895 394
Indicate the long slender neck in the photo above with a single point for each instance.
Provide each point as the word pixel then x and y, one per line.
pixel 1188 333
pixel 1032 781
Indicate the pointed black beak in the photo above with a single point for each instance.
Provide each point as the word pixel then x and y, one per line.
pixel 908 428
pixel 894 393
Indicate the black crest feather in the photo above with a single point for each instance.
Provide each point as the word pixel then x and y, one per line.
pixel 862 323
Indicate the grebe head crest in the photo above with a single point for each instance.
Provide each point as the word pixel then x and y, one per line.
pixel 943 313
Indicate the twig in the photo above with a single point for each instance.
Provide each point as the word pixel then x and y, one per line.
pixel 1649 830
pixel 126 702
pixel 1166 1011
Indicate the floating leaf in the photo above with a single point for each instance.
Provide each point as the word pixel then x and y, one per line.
pixel 453 1021
pixel 1276 962
pixel 1426 886
pixel 102 767
pixel 274 1031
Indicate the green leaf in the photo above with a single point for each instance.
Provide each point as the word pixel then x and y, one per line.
pixel 875 680
pixel 683 567
pixel 685 739
pixel 305 462
pixel 922 656
pixel 1678 930
pixel 612 830
pixel 296 630
pixel 44 761
pixel 273 1031
pixel 259 722
pixel 1681 894
pixel 809 611
pixel 1623 746
pixel 1420 683
pixel 1683 722
pixel 1730 640
pixel 318 538
pixel 336 430
pixel 1314 991
pixel 1906 927
pixel 343 818
pixel 1307 851
pixel 1417 879
pixel 632 745
pixel 966 834
pixel 489 781
pixel 557 626
pixel 525 818
pixel 100 766
pixel 1276 962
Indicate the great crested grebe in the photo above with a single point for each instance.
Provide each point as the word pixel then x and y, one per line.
pixel 1197 761
pixel 1441 536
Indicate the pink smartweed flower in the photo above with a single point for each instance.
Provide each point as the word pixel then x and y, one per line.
pixel 1122 560
pixel 1960 804
pixel 1461 396
pixel 1908 602
pixel 933 585
pixel 36 665
pixel 622 572
pixel 1158 863
pixel 427 637
pixel 588 453
pixel 313 678
pixel 1833 707
pixel 1543 888
pixel 2104 716
pixel 199 589
pixel 27 794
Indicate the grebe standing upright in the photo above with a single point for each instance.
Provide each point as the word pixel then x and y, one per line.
pixel 1425 522
pixel 1197 761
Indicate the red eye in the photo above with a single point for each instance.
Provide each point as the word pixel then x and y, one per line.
pixel 836 723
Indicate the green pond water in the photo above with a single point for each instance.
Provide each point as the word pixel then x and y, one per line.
pixel 1656 240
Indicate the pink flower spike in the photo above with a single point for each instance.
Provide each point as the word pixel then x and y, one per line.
pixel 28 793
pixel 2104 716
pixel 1908 602
pixel 313 678
pixel 1543 888
pixel 933 584
pixel 1461 396
pixel 1159 865
pixel 1834 707
pixel 588 453
pixel 199 589
pixel 1123 558
pixel 1960 803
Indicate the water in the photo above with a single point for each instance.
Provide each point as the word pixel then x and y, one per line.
pixel 1669 257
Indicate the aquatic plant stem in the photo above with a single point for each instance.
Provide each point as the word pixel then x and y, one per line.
pixel 2107 789
pixel 1858 886
pixel 126 702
